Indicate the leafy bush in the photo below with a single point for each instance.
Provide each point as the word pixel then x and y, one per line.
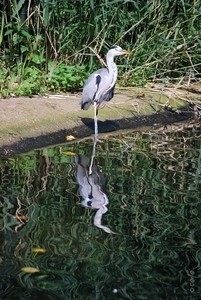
pixel 30 81
pixel 67 78
pixel 165 36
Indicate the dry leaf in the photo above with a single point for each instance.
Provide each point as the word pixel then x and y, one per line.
pixel 70 138
pixel 126 170
pixel 69 153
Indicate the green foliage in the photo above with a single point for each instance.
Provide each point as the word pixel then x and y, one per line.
pixel 67 78
pixel 165 36
pixel 29 81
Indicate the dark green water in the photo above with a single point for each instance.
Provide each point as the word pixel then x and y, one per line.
pixel 154 193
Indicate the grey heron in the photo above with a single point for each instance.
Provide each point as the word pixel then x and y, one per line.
pixel 100 85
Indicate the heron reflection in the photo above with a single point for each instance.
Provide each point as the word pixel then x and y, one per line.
pixel 92 188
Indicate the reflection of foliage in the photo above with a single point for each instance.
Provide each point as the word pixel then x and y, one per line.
pixel 154 192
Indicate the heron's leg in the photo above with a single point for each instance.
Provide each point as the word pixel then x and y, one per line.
pixel 95 121
pixel 95 137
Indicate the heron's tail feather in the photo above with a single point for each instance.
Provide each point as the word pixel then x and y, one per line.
pixel 85 105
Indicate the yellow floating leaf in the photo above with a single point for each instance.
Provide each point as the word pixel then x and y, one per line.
pixel 39 250
pixel 30 270
pixel 70 137
pixel 69 153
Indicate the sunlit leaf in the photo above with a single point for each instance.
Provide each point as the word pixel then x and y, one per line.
pixel 24 48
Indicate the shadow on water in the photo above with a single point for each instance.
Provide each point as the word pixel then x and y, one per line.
pixel 51 199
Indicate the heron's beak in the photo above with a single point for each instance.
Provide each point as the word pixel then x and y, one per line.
pixel 128 52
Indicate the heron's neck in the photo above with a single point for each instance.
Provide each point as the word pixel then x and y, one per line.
pixel 112 69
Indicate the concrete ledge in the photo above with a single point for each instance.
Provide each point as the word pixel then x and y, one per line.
pixel 30 123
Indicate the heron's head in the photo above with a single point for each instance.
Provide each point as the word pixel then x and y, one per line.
pixel 117 50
